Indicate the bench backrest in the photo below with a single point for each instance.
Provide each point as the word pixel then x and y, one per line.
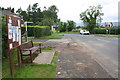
pixel 26 45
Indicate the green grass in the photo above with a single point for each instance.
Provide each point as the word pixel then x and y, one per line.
pixel 47 50
pixel 5 64
pixel 30 37
pixel 107 35
pixel 38 71
pixel 53 36
pixel 33 70
pixel 70 32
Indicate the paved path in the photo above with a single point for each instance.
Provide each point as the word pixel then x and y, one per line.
pixel 44 58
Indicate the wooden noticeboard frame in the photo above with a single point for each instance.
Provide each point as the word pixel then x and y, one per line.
pixel 14 31
pixel 13 26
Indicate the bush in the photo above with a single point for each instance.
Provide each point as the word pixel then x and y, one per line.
pixel 112 30
pixel 4 39
pixel 42 31
pixel 29 29
pixel 37 31
pixel 75 30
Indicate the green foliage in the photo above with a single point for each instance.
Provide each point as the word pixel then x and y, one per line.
pixel 29 29
pixel 85 27
pixel 47 17
pixel 75 30
pixel 72 32
pixel 61 27
pixel 70 25
pixel 4 39
pixel 108 35
pixel 112 30
pixel 50 16
pixel 37 31
pixel 53 36
pixel 66 26
pixel 47 22
pixel 91 16
pixel 41 31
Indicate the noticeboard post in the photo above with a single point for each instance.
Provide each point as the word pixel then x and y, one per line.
pixel 13 26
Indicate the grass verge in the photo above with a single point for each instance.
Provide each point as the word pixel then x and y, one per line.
pixel 70 32
pixel 32 70
pixel 107 35
pixel 53 36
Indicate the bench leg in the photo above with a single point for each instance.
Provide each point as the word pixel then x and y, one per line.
pixel 21 59
pixel 31 56
pixel 40 48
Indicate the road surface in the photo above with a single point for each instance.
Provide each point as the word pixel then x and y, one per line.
pixel 105 50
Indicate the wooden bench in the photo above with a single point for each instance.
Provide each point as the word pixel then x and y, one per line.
pixel 27 49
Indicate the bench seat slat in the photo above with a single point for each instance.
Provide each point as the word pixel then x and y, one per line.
pixel 33 49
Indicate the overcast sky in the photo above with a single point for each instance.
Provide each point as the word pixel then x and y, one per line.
pixel 69 9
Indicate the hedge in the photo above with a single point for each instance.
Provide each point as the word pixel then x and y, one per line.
pixel 29 29
pixel 4 39
pixel 112 30
pixel 37 31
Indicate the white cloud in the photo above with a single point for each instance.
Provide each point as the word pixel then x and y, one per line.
pixel 69 9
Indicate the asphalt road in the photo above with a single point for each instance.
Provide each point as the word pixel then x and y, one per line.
pixel 105 50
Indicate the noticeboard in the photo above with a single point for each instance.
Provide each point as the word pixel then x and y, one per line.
pixel 13 24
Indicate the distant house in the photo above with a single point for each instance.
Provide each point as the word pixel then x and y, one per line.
pixel 54 27
pixel 114 24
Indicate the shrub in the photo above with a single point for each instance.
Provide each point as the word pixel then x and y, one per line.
pixel 29 29
pixel 112 30
pixel 41 31
pixel 4 39
pixel 37 31
pixel 75 30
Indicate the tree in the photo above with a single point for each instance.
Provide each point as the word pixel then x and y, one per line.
pixel 12 10
pixel 91 16
pixel 70 25
pixel 66 26
pixel 34 7
pixel 47 17
pixel 29 13
pixel 24 15
pixel 50 16
pixel 53 11
pixel 39 15
pixel 19 11
pixel 47 22
pixel 34 13
pixel 62 26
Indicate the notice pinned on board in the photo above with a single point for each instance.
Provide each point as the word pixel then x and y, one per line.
pixel 11 46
